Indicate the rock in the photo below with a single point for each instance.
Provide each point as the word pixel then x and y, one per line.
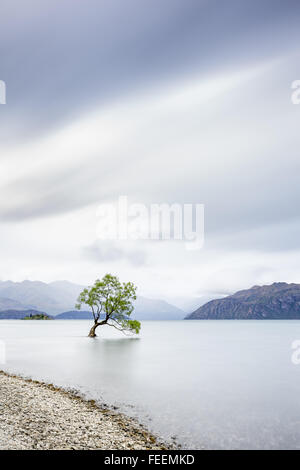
pixel 37 416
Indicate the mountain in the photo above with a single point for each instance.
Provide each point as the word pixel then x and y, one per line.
pixel 10 304
pixel 155 309
pixel 52 298
pixel 189 304
pixel 75 315
pixel 145 309
pixel 273 302
pixel 18 314
pixel 61 296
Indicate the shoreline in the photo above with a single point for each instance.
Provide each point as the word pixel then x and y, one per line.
pixel 41 416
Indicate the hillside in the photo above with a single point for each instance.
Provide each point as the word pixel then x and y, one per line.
pixel 277 301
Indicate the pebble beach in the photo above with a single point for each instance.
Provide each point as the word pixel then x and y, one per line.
pixel 35 415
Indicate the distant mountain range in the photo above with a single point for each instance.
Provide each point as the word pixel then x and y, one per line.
pixel 146 309
pixel 273 302
pixel 52 298
pixel 18 314
pixel 277 301
pixel 61 296
pixel 75 315
pixel 10 304
pixel 156 309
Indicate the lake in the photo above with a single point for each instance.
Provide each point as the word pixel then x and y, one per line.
pixel 210 384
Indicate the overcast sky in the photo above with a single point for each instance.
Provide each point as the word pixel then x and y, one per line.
pixel 185 101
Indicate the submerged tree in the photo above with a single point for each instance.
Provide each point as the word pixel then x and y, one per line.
pixel 111 304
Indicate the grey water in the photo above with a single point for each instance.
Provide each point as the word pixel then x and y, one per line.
pixel 209 384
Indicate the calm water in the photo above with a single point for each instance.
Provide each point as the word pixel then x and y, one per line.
pixel 212 384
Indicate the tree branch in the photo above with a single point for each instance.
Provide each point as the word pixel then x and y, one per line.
pixel 123 330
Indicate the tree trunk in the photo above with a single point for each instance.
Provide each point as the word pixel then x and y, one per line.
pixel 92 333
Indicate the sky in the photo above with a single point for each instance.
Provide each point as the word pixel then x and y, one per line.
pixel 174 101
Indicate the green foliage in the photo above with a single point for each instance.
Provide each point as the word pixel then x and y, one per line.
pixel 37 317
pixel 111 303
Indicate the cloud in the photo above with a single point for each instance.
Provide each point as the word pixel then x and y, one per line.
pixel 115 251
pixel 61 58
pixel 165 102
pixel 151 134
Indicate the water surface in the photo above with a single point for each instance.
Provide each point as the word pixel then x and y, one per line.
pixel 210 384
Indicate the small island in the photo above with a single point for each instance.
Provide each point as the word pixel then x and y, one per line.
pixel 39 316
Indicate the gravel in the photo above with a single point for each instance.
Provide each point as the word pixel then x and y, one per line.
pixel 34 415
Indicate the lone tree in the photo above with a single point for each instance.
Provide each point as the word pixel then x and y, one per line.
pixel 111 304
